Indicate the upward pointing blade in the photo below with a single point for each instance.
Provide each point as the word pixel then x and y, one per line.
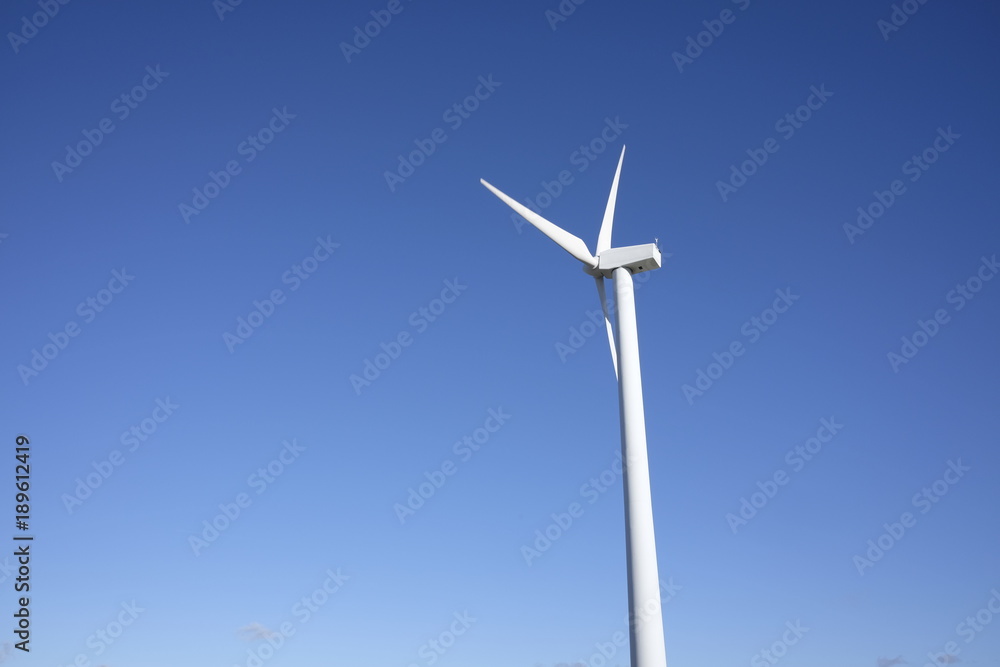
pixel 604 238
pixel 607 321
pixel 574 245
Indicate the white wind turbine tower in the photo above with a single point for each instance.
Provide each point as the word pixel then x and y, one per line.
pixel 645 617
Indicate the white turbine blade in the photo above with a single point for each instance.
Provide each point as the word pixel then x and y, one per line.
pixel 604 238
pixel 574 245
pixel 607 320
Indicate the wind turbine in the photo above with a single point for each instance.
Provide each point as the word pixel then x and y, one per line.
pixel 645 616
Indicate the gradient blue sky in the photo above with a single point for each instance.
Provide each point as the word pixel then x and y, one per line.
pixel 495 346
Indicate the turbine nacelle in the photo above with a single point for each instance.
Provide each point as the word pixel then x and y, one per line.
pixel 635 258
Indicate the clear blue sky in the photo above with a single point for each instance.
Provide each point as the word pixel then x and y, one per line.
pixel 171 169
